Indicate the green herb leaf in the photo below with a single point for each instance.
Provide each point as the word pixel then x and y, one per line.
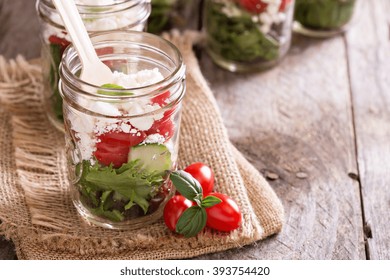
pixel 187 185
pixel 113 93
pixel 102 186
pixel 192 221
pixel 210 201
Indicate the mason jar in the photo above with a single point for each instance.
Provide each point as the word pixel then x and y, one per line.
pixel 97 15
pixel 248 35
pixel 162 15
pixel 323 18
pixel 122 137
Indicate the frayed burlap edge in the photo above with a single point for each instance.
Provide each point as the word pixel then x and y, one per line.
pixel 42 235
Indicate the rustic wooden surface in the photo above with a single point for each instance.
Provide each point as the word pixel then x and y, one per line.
pixel 317 126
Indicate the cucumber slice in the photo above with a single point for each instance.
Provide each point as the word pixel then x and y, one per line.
pixel 155 158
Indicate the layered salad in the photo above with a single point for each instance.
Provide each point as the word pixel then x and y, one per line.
pixel 247 30
pixel 97 16
pixel 122 152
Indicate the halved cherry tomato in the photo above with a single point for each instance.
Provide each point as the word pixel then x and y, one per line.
pixel 174 209
pixel 106 158
pixel 253 6
pixel 224 216
pixel 114 146
pixel 162 98
pixel 203 174
pixel 62 42
pixel 258 6
pixel 164 127
pixel 283 5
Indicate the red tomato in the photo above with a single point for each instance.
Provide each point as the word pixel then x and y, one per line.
pixel 203 174
pixel 162 98
pixel 224 216
pixel 253 6
pixel 59 41
pixel 113 147
pixel 106 158
pixel 164 127
pixel 283 5
pixel 174 209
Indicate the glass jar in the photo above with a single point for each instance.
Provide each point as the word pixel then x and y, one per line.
pixel 248 35
pixel 161 16
pixel 323 18
pixel 122 138
pixel 98 15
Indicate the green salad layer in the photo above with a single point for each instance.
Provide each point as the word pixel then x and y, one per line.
pixel 237 37
pixel 160 15
pixel 118 193
pixel 324 14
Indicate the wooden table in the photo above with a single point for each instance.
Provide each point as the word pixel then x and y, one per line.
pixel 317 126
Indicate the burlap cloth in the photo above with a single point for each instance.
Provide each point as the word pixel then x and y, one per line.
pixel 35 207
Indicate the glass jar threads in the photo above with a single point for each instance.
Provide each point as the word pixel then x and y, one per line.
pixel 122 138
pixel 323 18
pixel 98 15
pixel 248 35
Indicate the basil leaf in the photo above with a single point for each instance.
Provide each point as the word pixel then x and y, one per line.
pixel 187 186
pixel 192 221
pixel 210 201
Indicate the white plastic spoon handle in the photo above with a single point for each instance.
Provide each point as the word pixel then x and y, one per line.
pixel 76 29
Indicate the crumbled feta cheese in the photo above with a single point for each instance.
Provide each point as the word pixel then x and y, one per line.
pixel 87 127
pixel 154 138
pixel 126 128
pixel 139 79
pixel 95 2
pixel 142 123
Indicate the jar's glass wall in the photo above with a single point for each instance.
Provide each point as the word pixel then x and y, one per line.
pixel 323 18
pixel 248 35
pixel 122 143
pixel 97 16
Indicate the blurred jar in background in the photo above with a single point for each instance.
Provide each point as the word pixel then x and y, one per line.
pixel 97 15
pixel 323 18
pixel 248 35
pixel 163 11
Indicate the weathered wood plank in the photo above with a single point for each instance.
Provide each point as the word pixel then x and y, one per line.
pixel 295 121
pixel 19 29
pixel 369 55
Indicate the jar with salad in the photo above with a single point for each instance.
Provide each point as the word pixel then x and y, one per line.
pixel 323 18
pixel 122 137
pixel 248 35
pixel 97 15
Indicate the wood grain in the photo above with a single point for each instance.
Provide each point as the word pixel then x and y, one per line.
pixel 369 63
pixel 19 29
pixel 295 121
pixel 301 125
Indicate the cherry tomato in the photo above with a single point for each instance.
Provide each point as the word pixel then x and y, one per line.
pixel 106 158
pixel 224 216
pixel 113 147
pixel 253 6
pixel 164 127
pixel 203 174
pixel 174 209
pixel 62 42
pixel 283 5
pixel 162 98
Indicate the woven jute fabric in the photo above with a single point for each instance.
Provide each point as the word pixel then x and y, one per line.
pixel 37 213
